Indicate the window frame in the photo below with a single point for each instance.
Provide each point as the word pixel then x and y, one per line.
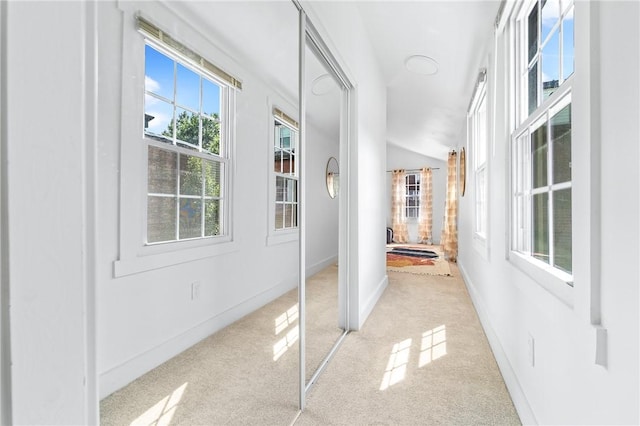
pixel 480 164
pixel 284 116
pixel 134 256
pixel 416 197
pixel 173 145
pixel 555 280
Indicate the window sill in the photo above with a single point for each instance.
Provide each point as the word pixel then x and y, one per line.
pixel 556 282
pixel 173 254
pixel 282 237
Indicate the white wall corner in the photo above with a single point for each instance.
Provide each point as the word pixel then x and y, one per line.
pixel 527 416
pixel 368 306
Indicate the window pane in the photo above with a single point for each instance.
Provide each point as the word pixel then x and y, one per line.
pixel 279 216
pixel 561 144
pixel 158 70
pixel 190 218
pixel 212 218
pixel 294 212
pixel 162 174
pixel 291 194
pixel 277 160
pixel 550 16
pixel 212 176
pixel 187 88
pixel 210 98
pixel 161 219
pixel 285 137
pixel 533 88
pixel 539 148
pixel 551 65
pixel 190 175
pixel 292 163
pixel 210 135
pixel 562 229
pixel 567 45
pixel 532 39
pixel 286 163
pixel 158 119
pixel 280 188
pixel 411 179
pixel 187 127
pixel 540 221
pixel 288 215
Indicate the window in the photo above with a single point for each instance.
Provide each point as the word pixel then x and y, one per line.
pixel 285 170
pixel 412 195
pixel 541 178
pixel 548 57
pixel 186 150
pixel 478 142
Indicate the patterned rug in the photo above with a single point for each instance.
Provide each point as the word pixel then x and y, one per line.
pixel 417 265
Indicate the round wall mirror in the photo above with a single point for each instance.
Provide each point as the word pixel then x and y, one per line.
pixel 333 177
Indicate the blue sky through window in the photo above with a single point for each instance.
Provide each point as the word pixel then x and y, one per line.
pixel 161 73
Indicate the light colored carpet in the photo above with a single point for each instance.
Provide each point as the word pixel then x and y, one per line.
pixel 421 358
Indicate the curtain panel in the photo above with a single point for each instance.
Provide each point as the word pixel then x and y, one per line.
pixel 426 207
pixel 449 239
pixel 398 207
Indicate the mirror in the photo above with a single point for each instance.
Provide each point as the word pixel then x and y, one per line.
pixel 333 177
pixel 214 340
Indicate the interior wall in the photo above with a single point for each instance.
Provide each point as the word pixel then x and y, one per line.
pixel 44 136
pixel 545 347
pixel 322 210
pixel 340 26
pixel 400 158
pixel 146 318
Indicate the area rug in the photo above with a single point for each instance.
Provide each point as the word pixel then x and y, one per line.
pixel 398 261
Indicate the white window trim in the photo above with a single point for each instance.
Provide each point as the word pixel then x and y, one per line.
pixel 556 282
pixel 134 255
pixel 481 94
pixel 286 235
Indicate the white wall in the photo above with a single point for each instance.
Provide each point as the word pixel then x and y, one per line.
pixel 343 31
pixel 47 124
pixel 400 158
pixel 322 210
pixel 564 385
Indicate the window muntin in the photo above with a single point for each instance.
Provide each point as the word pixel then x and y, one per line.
pixel 186 158
pixel 286 175
pixel 548 55
pixel 412 195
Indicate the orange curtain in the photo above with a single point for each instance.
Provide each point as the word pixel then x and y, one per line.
pixel 449 238
pixel 398 207
pixel 426 208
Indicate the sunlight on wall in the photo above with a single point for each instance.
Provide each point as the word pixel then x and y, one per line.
pixel 287 318
pixel 397 365
pixel 285 343
pixel 434 345
pixel 163 411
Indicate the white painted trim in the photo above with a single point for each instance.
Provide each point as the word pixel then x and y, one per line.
pixel 527 416
pixel 368 306
pixel 120 375
pixel 319 266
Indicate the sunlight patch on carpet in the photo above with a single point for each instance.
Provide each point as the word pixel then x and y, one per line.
pixel 285 343
pixel 286 319
pixel 162 412
pixel 434 345
pixel 397 365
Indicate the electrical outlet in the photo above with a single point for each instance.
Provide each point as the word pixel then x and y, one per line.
pixel 195 290
pixel 531 350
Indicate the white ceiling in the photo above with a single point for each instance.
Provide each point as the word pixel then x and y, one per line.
pixel 425 114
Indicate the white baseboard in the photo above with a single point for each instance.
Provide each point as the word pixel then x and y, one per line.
pixel 319 266
pixel 123 374
pixel 367 307
pixel 527 417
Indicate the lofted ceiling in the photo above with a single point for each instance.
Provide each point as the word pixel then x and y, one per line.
pixel 425 113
